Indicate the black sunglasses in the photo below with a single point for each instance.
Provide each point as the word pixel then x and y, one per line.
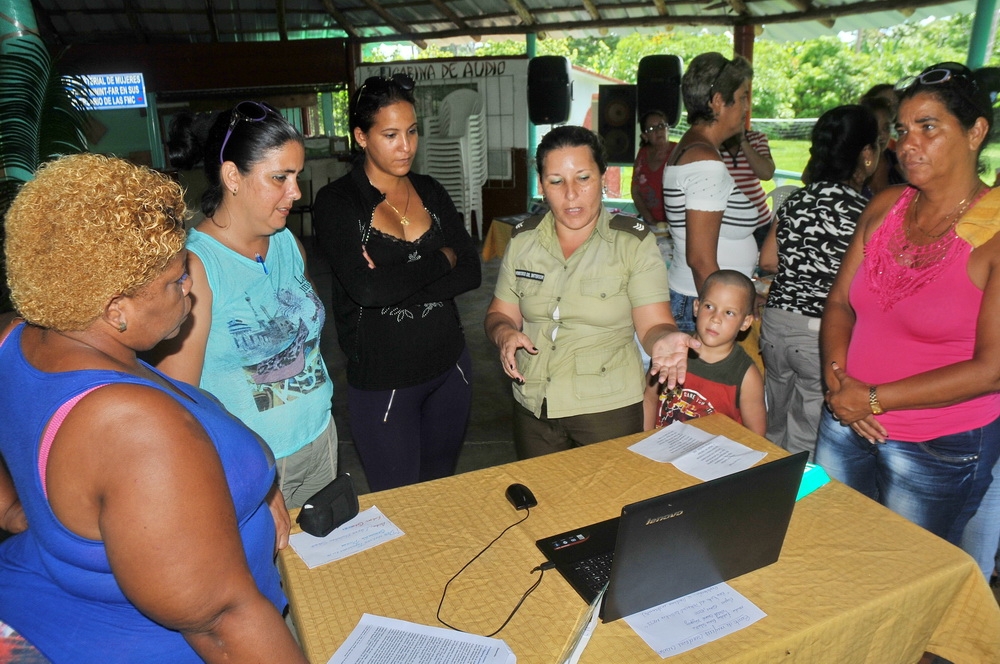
pixel 250 111
pixel 715 81
pixel 379 83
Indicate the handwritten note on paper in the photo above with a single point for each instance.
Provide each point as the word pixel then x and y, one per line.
pixel 368 529
pixel 697 452
pixel 693 620
pixel 376 640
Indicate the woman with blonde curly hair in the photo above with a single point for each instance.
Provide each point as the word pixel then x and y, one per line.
pixel 153 513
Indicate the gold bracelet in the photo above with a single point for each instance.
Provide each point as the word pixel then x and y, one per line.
pixel 873 400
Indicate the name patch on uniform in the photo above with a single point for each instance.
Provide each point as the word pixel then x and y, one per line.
pixel 528 274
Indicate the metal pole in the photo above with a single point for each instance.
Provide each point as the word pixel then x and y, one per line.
pixel 153 129
pixel 17 22
pixel 984 27
pixel 530 42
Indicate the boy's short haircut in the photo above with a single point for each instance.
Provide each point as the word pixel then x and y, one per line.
pixel 731 278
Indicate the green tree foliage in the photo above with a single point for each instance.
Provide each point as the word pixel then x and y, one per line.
pixel 791 79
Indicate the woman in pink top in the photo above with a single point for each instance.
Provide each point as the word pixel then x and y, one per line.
pixel 911 330
pixel 647 173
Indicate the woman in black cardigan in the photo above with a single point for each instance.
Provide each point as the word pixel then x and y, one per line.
pixel 400 254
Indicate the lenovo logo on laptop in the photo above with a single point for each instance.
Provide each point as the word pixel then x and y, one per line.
pixel 657 519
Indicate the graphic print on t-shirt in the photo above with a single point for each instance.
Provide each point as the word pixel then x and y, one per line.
pixel 681 405
pixel 280 360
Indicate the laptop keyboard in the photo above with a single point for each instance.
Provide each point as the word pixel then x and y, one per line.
pixel 595 571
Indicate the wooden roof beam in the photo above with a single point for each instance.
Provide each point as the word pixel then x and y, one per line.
pixel 282 20
pixel 213 26
pixel 594 14
pixel 341 20
pixel 527 18
pixel 133 21
pixel 396 24
pixel 807 5
pixel 455 18
pixel 815 14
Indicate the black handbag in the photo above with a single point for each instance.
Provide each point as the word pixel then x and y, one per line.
pixel 332 506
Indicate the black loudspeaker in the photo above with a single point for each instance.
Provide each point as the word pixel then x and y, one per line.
pixel 550 89
pixel 616 122
pixel 659 86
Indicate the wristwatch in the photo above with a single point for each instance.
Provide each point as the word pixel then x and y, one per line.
pixel 873 400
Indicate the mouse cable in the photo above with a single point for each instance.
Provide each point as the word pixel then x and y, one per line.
pixel 541 568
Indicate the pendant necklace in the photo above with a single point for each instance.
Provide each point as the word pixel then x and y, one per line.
pixel 403 219
pixel 952 217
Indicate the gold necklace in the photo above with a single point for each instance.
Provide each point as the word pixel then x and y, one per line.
pixel 952 217
pixel 403 219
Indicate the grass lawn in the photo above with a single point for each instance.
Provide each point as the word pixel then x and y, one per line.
pixel 792 156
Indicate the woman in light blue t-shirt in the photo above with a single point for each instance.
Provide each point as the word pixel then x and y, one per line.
pixel 253 337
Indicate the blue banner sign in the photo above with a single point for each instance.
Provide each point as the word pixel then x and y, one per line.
pixel 108 91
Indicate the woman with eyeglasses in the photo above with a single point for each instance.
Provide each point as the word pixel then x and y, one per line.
pixel 400 255
pixel 647 173
pixel 147 517
pixel 711 220
pixel 253 336
pixel 910 336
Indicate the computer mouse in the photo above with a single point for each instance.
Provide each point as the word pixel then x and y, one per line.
pixel 520 497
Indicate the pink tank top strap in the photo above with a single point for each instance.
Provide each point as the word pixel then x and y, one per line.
pixel 52 429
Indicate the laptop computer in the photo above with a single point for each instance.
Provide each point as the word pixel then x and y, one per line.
pixel 672 545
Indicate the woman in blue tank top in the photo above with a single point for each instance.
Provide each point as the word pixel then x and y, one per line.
pixel 146 516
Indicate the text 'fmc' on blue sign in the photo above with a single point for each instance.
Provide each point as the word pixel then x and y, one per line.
pixel 109 91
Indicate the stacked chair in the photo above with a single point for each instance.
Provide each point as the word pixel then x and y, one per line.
pixel 453 151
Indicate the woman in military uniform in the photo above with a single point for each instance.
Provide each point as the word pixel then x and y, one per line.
pixel 575 287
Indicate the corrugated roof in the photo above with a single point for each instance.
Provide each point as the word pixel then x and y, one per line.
pixel 185 21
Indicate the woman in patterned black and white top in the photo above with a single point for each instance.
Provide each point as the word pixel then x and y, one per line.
pixel 711 219
pixel 806 244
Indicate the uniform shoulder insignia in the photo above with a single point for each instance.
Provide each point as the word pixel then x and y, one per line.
pixel 529 224
pixel 632 225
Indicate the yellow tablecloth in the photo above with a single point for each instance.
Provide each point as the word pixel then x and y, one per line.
pixel 855 582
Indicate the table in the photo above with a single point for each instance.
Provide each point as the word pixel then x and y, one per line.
pixel 854 583
pixel 498 235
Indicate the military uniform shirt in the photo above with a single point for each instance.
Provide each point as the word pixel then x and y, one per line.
pixel 578 313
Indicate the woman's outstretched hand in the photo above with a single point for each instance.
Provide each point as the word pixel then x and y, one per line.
pixel 670 356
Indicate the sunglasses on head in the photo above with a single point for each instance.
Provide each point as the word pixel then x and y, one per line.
pixel 715 81
pixel 942 73
pixel 378 83
pixel 250 111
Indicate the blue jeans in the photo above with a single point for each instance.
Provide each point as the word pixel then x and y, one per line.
pixel 937 484
pixel 981 538
pixel 682 309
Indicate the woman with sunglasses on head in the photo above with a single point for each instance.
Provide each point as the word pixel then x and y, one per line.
pixel 147 517
pixel 910 335
pixel 400 255
pixel 647 173
pixel 711 220
pixel 253 336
